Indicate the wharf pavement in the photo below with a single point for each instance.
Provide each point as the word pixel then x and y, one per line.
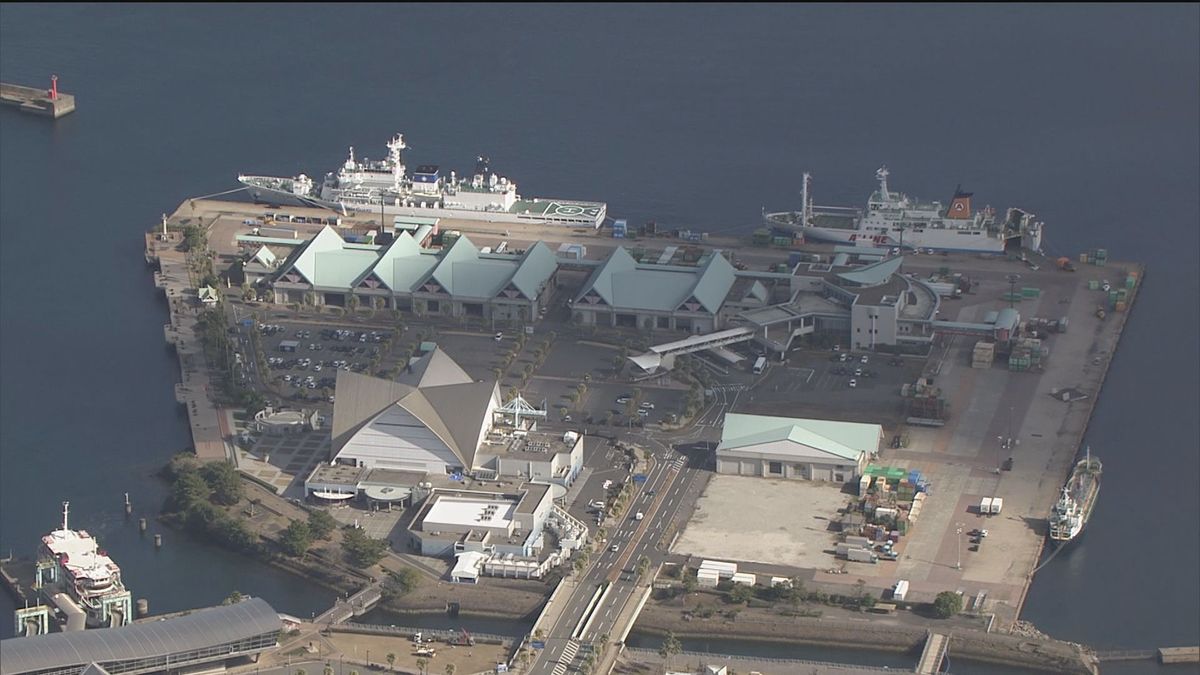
pixel 209 424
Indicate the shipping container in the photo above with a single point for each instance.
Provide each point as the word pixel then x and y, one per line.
pixel 861 555
pixel 997 504
pixel 985 505
pixel 1030 292
pixel 1093 284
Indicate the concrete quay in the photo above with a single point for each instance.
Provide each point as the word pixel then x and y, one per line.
pixel 52 103
pixel 208 423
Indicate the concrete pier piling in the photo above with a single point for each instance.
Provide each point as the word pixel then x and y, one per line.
pixel 45 102
pixel 142 525
pixel 158 541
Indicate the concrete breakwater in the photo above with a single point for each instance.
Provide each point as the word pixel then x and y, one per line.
pixel 47 103
pixel 1044 655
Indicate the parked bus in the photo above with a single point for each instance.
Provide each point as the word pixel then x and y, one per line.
pixel 760 364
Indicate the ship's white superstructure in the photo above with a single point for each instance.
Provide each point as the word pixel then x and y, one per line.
pixel 72 562
pixel 387 186
pixel 895 219
pixel 1078 498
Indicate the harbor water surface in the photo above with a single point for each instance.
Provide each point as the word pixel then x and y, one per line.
pixel 696 117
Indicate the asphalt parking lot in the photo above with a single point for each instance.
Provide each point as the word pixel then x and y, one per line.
pixel 307 373
pixel 819 384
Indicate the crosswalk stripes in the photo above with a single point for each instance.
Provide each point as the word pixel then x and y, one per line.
pixel 679 463
pixel 569 651
pixel 559 669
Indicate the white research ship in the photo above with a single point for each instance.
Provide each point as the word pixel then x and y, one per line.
pixel 895 219
pixel 1078 498
pixel 71 562
pixel 386 186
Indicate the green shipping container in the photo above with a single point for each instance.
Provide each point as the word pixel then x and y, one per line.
pixel 1093 284
pixel 1030 292
pixel 1130 282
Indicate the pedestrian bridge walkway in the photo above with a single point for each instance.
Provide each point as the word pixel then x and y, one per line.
pixel 933 654
pixel 663 355
pixel 356 605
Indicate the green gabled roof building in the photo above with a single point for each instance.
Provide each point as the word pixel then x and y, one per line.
pixel 796 448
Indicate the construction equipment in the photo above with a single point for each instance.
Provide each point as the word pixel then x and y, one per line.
pixel 463 639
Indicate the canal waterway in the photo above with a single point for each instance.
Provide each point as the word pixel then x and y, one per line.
pixel 695 117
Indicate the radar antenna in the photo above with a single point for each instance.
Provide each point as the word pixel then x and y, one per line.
pixel 882 175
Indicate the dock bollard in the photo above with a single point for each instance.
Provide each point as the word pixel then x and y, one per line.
pixel 143 608
pixel 142 525
pixel 128 506
pixel 158 541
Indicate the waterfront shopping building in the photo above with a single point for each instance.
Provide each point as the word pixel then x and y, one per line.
pixel 459 280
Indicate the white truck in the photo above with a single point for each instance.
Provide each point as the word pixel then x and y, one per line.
pixel 901 590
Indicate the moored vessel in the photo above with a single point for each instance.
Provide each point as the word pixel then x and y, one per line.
pixel 76 575
pixel 386 186
pixel 1078 498
pixel 895 219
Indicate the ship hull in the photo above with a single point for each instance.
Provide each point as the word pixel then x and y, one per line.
pixel 594 217
pixel 940 240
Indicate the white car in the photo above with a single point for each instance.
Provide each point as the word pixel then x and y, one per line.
pixel 647 405
pixel 623 400
pixel 614 548
pixel 499 337
pixel 853 383
pixel 596 504
pixel 864 358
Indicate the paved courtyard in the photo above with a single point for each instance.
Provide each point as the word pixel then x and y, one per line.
pixel 762 520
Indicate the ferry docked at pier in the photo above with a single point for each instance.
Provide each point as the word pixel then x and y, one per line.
pixel 895 219
pixel 71 562
pixel 385 186
pixel 1078 498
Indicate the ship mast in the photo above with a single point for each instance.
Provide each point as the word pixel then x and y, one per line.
pixel 806 209
pixel 882 175
pixel 66 510
pixel 395 147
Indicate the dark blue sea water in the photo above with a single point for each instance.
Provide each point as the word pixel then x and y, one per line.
pixel 692 116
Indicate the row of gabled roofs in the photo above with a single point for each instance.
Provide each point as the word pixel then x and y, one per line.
pixel 328 262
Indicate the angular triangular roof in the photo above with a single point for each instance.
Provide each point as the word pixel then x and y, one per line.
pixel 435 369
pixel 714 282
pixel 601 280
pixel 401 265
pixel 538 264
pixel 873 274
pixel 447 401
pixel 360 398
pixel 327 261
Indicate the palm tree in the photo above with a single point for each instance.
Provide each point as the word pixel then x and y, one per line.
pixel 391 659
pixel 450 668
pixel 421 664
pixel 328 670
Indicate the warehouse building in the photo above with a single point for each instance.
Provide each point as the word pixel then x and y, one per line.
pixel 476 521
pixel 796 448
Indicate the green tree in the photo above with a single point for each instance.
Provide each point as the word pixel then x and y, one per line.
pixel 296 539
pixel 188 489
pixel 670 647
pixel 399 584
pixel 225 482
pixel 741 594
pixel 391 659
pixel 689 582
pixel 321 524
pixel 328 670
pixel 450 668
pixel 233 598
pixel 947 604
pixel 362 550
pixel 421 664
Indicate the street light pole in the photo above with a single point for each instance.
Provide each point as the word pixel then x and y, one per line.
pixel 1012 288
pixel 958 546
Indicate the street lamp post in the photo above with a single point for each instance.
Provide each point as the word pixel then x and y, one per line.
pixel 1012 288
pixel 958 546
